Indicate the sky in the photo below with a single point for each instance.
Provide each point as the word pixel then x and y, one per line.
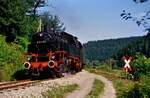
pixel 97 19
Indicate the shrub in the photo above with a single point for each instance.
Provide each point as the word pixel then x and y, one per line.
pixel 141 66
pixel 11 59
pixel 22 41
pixel 139 90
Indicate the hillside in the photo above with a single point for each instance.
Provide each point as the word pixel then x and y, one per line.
pixel 104 49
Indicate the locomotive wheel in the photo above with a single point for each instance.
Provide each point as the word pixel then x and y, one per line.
pixel 57 73
pixel 71 69
pixel 60 71
pixel 62 68
pixel 53 73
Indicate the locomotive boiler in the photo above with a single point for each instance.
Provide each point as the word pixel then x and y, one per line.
pixel 54 53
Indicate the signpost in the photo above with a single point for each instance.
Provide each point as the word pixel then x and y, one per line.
pixel 127 67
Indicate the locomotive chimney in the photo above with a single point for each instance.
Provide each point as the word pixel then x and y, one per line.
pixel 40 26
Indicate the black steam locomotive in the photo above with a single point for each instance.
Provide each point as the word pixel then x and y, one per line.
pixel 56 52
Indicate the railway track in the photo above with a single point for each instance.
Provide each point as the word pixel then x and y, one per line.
pixel 24 83
pixel 16 84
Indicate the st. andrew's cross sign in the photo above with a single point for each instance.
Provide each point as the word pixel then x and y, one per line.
pixel 127 66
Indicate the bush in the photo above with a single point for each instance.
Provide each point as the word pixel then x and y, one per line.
pixel 11 59
pixel 22 41
pixel 139 90
pixel 141 66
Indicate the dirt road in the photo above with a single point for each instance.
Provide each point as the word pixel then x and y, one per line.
pixel 84 79
pixel 85 86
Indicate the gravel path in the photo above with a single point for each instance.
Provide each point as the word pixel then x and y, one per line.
pixel 86 85
pixel 84 89
pixel 109 91
pixel 84 79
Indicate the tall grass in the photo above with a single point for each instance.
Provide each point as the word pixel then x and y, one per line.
pixel 11 59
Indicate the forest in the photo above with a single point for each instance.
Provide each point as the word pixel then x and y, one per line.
pixel 104 49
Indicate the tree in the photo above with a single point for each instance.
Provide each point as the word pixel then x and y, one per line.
pixel 142 21
pixel 16 17
pixel 12 13
pixel 52 22
pixel 140 1
pixel 33 5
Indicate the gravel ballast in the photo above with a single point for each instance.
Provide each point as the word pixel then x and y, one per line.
pixel 83 79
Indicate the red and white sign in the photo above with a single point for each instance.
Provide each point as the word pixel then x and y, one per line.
pixel 127 67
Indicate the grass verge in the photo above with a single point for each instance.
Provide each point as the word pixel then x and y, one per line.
pixel 97 89
pixel 126 88
pixel 122 86
pixel 60 91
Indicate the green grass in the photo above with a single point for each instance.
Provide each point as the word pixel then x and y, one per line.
pixel 121 85
pixel 60 91
pixel 125 88
pixel 97 89
pixel 11 59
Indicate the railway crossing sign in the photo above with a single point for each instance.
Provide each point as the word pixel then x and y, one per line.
pixel 127 66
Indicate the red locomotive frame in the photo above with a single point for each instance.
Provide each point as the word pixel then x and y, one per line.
pixel 56 61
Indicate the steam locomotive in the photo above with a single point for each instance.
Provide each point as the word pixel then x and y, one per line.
pixel 54 53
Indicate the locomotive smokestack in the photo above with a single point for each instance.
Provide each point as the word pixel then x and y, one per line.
pixel 40 26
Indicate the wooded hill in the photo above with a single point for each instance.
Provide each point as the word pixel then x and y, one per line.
pixel 104 49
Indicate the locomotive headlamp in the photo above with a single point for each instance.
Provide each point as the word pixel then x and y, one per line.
pixel 27 65
pixel 29 58
pixel 51 64
pixel 53 57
